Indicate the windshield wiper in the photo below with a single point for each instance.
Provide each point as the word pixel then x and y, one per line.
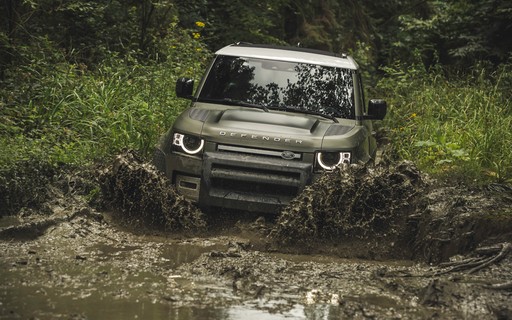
pixel 316 113
pixel 234 102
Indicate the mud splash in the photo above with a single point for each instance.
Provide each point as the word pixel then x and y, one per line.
pixel 352 202
pixel 387 211
pixel 140 191
pixel 393 211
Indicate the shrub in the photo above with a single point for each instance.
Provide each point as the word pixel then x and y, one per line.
pixel 452 123
pixel 70 114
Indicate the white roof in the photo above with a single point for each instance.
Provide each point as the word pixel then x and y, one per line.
pixel 292 55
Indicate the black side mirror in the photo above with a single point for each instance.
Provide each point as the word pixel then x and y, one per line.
pixel 377 109
pixel 184 88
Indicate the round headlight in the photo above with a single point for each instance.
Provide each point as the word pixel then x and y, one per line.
pixel 330 160
pixel 192 144
pixel 189 144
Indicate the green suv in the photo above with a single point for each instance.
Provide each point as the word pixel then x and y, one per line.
pixel 263 123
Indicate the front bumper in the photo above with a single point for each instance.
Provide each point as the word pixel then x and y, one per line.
pixel 235 181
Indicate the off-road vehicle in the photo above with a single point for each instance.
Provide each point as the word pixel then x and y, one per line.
pixel 263 123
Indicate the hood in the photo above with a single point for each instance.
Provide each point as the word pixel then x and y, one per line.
pixel 270 130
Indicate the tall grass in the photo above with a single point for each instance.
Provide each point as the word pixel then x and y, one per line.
pixel 56 110
pixel 459 126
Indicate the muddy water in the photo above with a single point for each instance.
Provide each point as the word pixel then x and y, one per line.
pixel 85 269
pixel 89 268
pixel 355 245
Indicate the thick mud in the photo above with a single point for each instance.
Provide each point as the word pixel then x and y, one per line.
pixel 382 242
pixel 142 193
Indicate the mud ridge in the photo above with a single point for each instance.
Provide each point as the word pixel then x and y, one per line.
pixel 24 186
pixel 38 227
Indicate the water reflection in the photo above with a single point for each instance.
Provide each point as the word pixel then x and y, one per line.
pixel 141 278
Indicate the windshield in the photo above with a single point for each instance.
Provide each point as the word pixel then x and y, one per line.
pixel 281 85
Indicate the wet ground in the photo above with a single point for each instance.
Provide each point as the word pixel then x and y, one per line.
pixel 422 252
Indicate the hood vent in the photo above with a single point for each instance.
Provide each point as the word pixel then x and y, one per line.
pixel 337 130
pixel 199 114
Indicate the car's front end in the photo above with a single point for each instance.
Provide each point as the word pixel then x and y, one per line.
pixel 263 124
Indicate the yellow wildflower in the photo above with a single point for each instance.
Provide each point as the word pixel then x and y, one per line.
pixel 196 35
pixel 200 24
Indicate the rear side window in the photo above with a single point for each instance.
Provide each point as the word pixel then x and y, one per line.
pixel 281 84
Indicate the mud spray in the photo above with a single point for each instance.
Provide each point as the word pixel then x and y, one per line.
pixel 353 204
pixel 390 210
pixel 138 191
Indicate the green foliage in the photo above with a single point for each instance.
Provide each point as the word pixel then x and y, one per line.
pixel 460 32
pixel 87 30
pixel 230 21
pixel 61 111
pixel 82 79
pixel 457 126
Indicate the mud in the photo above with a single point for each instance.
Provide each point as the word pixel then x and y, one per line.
pixel 384 242
pixel 139 191
pixel 365 208
pixel 25 187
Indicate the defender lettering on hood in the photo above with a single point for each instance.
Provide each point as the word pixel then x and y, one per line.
pixel 258 137
pixel 263 123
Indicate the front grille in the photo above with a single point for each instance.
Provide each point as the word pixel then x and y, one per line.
pixel 254 179
pixel 258 152
pixel 262 181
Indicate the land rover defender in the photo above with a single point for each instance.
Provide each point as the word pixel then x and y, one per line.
pixel 264 121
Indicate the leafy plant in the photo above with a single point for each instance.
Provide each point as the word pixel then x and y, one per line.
pixel 456 126
pixel 68 113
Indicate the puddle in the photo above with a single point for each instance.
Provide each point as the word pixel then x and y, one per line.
pixel 121 276
pixel 172 255
pixel 178 254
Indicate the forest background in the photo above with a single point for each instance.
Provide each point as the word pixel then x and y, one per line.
pixel 80 80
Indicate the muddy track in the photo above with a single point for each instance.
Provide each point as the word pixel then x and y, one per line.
pixel 362 242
